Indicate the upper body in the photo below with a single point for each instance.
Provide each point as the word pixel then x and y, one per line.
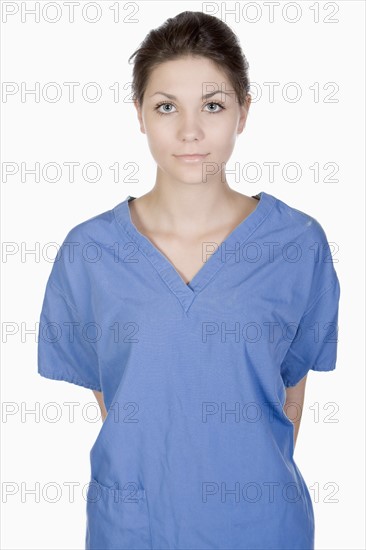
pixel 196 377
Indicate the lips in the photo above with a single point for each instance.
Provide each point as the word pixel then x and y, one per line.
pixel 191 159
pixel 193 155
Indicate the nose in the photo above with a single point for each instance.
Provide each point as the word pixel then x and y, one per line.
pixel 190 128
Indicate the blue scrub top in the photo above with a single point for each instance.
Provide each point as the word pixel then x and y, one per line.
pixel 196 451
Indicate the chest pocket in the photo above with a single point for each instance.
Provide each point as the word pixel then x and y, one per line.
pixel 117 518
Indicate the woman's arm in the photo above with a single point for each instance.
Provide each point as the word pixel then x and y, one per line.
pixel 99 397
pixel 294 404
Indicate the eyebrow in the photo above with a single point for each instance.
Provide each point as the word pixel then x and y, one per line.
pixel 206 96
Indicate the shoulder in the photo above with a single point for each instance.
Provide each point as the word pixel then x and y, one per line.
pixel 92 229
pixel 314 254
pixel 302 226
pixel 82 249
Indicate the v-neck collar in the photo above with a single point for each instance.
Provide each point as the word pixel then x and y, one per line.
pixel 223 255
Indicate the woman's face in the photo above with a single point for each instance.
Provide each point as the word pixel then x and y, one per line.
pixel 188 124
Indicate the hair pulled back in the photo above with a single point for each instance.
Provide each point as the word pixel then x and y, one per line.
pixel 196 34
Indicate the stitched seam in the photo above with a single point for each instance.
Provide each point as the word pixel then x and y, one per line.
pixel 320 296
pixel 65 378
pixel 66 299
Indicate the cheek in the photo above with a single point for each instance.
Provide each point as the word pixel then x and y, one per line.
pixel 160 143
pixel 159 132
pixel 159 140
pixel 223 135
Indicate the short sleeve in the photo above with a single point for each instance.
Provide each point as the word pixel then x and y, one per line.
pixel 315 343
pixel 66 337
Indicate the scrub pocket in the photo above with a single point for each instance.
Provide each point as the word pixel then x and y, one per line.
pixel 117 518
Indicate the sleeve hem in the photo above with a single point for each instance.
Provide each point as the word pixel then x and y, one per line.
pixel 317 368
pixel 324 368
pixel 72 380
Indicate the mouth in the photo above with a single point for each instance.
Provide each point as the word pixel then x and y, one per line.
pixel 192 158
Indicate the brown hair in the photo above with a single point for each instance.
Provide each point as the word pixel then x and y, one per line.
pixel 191 33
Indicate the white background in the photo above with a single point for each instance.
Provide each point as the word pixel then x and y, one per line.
pixel 328 55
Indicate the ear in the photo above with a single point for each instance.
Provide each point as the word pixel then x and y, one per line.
pixel 139 115
pixel 244 109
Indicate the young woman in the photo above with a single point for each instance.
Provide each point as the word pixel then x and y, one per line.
pixel 197 312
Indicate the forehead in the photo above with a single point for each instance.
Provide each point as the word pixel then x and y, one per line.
pixel 187 75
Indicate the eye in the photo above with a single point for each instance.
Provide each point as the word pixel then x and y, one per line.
pixel 167 103
pixel 162 105
pixel 216 103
